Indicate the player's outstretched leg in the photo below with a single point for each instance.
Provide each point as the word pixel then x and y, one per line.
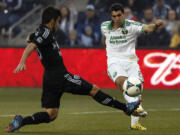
pixel 107 100
pixel 37 118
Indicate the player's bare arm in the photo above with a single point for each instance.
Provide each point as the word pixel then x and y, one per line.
pixel 153 27
pixel 28 50
pixel 104 41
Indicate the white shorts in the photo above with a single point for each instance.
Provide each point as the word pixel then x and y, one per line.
pixel 124 68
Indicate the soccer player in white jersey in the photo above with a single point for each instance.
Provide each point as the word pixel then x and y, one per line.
pixel 119 39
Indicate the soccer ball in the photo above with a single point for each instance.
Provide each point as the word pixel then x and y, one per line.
pixel 133 86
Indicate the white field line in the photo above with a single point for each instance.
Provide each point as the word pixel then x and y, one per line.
pixel 95 112
pixel 149 110
pixel 100 112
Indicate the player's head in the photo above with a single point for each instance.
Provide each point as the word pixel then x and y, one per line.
pixel 148 14
pixel 51 16
pixel 117 13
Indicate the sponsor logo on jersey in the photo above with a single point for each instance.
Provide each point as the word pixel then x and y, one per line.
pixel 117 39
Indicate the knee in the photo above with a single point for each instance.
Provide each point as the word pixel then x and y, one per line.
pixel 120 81
pixel 53 113
pixel 94 90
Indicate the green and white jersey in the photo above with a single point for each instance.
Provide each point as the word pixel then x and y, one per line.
pixel 120 43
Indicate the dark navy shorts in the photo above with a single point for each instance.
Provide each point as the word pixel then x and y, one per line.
pixel 55 83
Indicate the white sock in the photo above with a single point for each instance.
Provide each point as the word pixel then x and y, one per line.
pixel 130 99
pixel 134 119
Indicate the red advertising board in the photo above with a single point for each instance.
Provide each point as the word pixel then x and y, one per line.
pixel 160 68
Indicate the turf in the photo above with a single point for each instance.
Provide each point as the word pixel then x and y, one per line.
pixel 80 115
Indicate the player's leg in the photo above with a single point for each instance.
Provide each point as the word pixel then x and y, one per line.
pixel 119 81
pixel 107 100
pixel 50 101
pixel 51 95
pixel 119 72
pixel 135 115
pixel 37 118
pixel 134 71
pixel 47 116
pixel 76 85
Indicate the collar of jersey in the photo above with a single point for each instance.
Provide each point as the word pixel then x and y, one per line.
pixel 42 25
pixel 110 25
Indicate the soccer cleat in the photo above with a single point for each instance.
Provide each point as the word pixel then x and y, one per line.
pixel 140 112
pixel 138 126
pixel 16 123
pixel 131 107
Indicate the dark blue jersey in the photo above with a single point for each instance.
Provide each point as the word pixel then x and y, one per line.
pixel 47 48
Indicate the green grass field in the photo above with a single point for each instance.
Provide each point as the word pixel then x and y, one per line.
pixel 80 115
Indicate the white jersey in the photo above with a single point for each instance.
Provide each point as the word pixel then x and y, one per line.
pixel 120 43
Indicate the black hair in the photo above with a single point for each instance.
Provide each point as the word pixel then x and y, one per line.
pixel 116 7
pixel 50 13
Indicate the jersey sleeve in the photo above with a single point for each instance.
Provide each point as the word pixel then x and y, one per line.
pixel 104 28
pixel 40 36
pixel 137 27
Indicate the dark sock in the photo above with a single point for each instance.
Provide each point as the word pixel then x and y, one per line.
pixel 40 117
pixel 107 100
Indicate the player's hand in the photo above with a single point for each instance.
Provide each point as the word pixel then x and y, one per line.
pixel 159 23
pixel 28 39
pixel 20 67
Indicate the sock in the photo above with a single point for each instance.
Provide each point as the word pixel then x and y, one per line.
pixel 134 120
pixel 40 117
pixel 107 100
pixel 130 99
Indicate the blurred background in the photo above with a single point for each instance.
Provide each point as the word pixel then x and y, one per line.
pixel 79 37
pixel 80 29
pixel 80 25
